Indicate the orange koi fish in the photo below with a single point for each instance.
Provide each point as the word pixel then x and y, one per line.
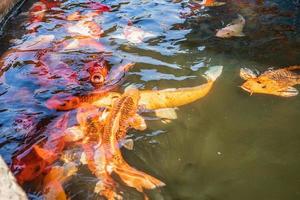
pixel 108 157
pixel 98 72
pixel 54 180
pixel 89 132
pixel 278 82
pixel 210 3
pixel 55 142
pixel 64 102
pixel 34 161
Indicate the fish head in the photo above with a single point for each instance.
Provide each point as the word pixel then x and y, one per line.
pixel 264 85
pixel 225 33
pixel 98 72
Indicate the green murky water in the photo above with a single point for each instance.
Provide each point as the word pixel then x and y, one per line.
pixel 228 145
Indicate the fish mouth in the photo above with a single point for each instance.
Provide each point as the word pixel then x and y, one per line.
pixel 97 79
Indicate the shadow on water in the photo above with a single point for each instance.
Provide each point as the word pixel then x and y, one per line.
pixel 228 145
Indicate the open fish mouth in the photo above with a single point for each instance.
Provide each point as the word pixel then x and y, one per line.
pixel 97 79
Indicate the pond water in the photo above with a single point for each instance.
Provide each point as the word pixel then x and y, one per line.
pixel 227 145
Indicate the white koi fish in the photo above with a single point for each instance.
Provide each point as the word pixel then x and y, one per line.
pixel 234 29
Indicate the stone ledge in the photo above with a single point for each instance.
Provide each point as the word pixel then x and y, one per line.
pixel 9 189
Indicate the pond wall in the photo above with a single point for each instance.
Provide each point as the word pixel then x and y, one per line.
pixel 6 7
pixel 9 189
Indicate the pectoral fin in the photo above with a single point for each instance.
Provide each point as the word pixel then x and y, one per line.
pixel 289 92
pixel 166 113
pixel 241 34
pixel 73 134
pixel 138 122
pixel 128 144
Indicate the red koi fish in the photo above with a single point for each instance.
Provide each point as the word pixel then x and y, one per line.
pixel 99 7
pixel 37 11
pixel 65 102
pixel 98 72
pixel 31 163
pixel 51 3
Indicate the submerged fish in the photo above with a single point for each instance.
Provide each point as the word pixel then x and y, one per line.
pixel 108 158
pixel 278 82
pixel 134 34
pixel 210 3
pixel 172 97
pixel 150 99
pixel 234 29
pixel 65 102
pixel 30 163
pixel 98 72
pixel 86 28
pixel 54 180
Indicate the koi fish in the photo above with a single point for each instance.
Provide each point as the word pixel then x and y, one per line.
pixel 55 142
pixel 99 7
pixel 133 34
pixel 234 29
pixel 209 3
pixel 150 99
pixel 32 162
pixel 79 43
pixel 51 3
pixel 278 82
pixel 86 28
pixel 122 116
pixel 172 97
pixel 37 12
pixel 54 180
pixel 96 9
pixel 98 72
pixel 65 102
pixel 90 132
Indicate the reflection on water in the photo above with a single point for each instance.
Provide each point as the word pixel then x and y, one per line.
pixel 228 145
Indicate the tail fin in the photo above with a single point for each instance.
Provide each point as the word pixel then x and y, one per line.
pixel 213 72
pixel 137 179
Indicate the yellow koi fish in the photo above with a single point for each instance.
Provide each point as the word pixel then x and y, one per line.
pixel 278 82
pixel 168 98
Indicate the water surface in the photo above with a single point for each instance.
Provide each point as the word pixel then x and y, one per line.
pixel 228 145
